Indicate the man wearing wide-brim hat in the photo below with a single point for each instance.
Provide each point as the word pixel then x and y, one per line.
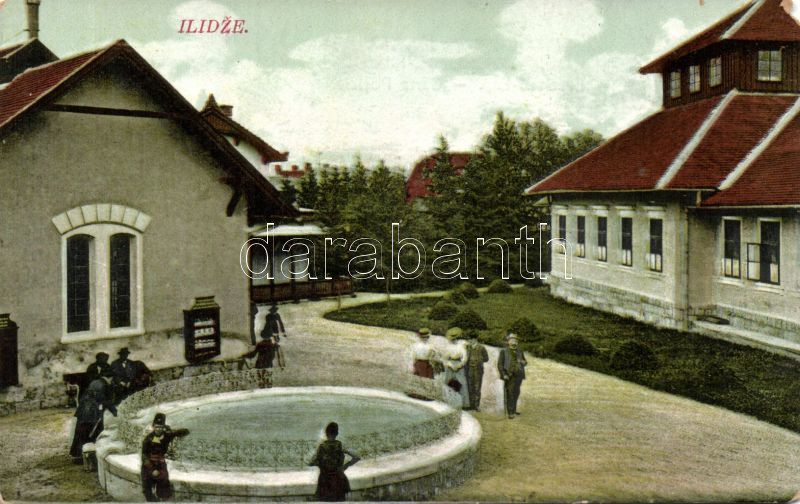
pixel 511 368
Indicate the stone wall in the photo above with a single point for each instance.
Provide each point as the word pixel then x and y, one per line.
pixel 618 301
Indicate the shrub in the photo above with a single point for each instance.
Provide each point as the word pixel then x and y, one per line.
pixel 499 287
pixel 468 290
pixel 525 329
pixel 634 356
pixel 575 345
pixel 468 319
pixel 533 283
pixel 455 296
pixel 442 310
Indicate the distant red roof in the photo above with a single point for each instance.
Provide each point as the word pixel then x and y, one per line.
pixel 764 20
pixel 733 145
pixel 417 185
pixel 225 125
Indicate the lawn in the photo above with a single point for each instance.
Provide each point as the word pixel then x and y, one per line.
pixel 735 377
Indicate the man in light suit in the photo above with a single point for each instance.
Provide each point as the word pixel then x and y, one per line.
pixel 511 368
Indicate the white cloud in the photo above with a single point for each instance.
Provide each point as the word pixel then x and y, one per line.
pixel 390 98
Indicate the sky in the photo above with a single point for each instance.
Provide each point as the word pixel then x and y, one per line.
pixel 331 79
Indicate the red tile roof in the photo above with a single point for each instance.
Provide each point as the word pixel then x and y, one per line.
pixel 772 179
pixel 671 150
pixel 759 20
pixel 225 125
pixel 28 87
pixel 741 125
pixel 417 184
pixel 41 85
pixel 636 158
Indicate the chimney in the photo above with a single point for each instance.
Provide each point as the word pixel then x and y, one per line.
pixel 227 110
pixel 33 18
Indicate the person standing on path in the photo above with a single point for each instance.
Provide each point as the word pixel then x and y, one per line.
pixel 99 367
pixel 511 368
pixel 332 483
pixel 477 356
pixel 123 375
pixel 423 354
pixel 154 463
pixel 455 359
pixel 89 415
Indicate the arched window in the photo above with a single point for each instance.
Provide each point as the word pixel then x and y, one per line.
pixel 101 257
pixel 78 283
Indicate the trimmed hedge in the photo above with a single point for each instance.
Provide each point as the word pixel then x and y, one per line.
pixel 443 310
pixel 469 290
pixel 499 287
pixel 455 296
pixel 525 329
pixel 468 319
pixel 575 345
pixel 634 356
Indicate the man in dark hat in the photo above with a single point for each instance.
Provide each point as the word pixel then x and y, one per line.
pixel 477 356
pixel 123 373
pixel 511 367
pixel 155 477
pixel 98 367
pixel 273 327
pixel 89 414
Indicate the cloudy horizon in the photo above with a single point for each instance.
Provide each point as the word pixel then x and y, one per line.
pixel 329 80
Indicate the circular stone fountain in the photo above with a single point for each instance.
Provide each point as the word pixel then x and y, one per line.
pixel 254 445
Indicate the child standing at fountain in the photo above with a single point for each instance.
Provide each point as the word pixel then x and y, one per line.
pixel 154 462
pixel 332 484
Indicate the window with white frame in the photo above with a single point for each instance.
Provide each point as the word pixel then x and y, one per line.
pixel 101 251
pixel 731 260
pixel 694 78
pixel 770 66
pixel 675 84
pixel 715 71
pixel 580 248
pixel 562 234
pixel 602 239
pixel 763 258
pixel 655 256
pixel 626 241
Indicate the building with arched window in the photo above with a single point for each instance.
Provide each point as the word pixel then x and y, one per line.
pixel 119 205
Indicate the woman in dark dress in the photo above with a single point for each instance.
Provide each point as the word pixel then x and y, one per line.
pixel 332 484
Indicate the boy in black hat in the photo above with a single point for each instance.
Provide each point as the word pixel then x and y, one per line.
pixel 154 463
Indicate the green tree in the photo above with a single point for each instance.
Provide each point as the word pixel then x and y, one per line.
pixel 288 192
pixel 308 190
pixel 445 203
pixel 579 143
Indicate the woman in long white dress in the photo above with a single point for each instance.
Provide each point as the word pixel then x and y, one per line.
pixel 455 359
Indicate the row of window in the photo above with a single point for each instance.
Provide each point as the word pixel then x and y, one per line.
pixel 770 68
pixel 762 259
pixel 655 253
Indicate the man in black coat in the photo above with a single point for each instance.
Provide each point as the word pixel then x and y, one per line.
pixel 89 415
pixel 511 368
pixel 477 356
pixel 123 372
pixel 155 477
pixel 273 327
pixel 98 367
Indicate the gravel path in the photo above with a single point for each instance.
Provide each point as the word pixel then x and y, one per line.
pixel 581 436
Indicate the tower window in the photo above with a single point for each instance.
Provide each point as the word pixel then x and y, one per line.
pixel 770 66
